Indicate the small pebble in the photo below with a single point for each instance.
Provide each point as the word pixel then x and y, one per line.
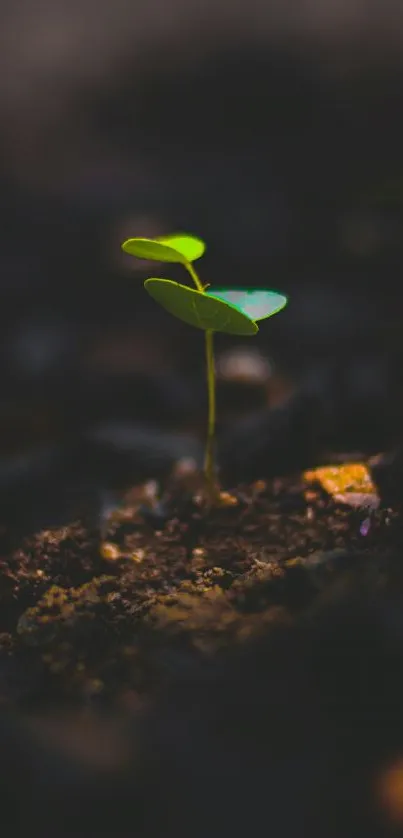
pixel 110 551
pixel 228 500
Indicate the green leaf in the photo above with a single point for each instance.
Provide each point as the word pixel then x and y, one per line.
pixel 176 248
pixel 190 247
pixel 255 304
pixel 200 309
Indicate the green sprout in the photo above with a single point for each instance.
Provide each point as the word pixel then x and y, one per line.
pixel 234 311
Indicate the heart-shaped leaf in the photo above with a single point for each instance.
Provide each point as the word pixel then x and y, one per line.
pixel 255 304
pixel 176 248
pixel 200 309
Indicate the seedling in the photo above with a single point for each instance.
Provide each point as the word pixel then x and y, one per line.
pixel 234 312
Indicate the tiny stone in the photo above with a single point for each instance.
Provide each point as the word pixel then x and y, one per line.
pixel 138 555
pixel 228 500
pixel 109 551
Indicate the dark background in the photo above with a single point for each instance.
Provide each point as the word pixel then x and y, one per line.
pixel 274 131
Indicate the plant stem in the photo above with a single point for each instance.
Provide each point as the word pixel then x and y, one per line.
pixel 190 269
pixel 209 468
pixel 209 455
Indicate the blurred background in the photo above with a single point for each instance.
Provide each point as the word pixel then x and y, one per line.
pixel 272 130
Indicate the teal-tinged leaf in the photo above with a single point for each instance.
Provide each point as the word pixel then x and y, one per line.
pixel 200 309
pixel 176 248
pixel 256 304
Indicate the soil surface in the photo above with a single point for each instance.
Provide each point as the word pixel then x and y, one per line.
pixel 192 671
pixel 113 621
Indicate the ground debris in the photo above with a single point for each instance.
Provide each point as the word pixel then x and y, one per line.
pixel 103 618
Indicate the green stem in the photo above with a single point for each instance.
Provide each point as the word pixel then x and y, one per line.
pixel 209 468
pixel 209 456
pixel 190 269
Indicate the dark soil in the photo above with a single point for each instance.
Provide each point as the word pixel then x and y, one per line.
pixel 203 673
pixel 114 621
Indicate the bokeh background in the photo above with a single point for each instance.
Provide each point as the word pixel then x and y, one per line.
pixel 274 130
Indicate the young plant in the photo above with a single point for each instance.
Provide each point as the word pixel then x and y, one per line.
pixel 233 311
